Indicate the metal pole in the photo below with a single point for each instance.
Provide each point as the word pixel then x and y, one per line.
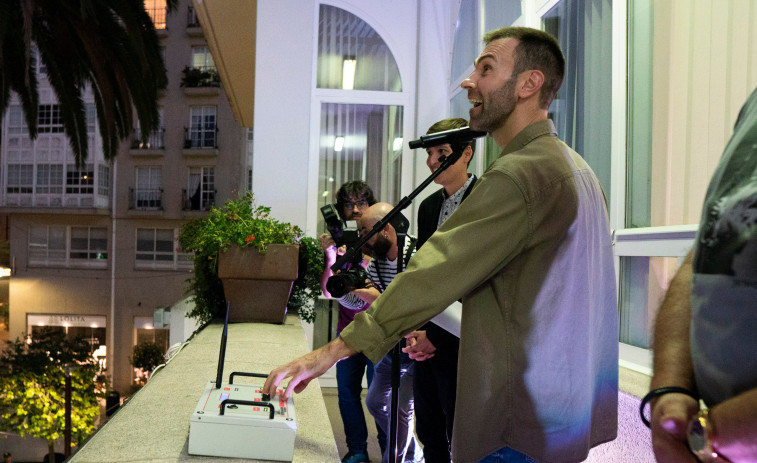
pixel 67 433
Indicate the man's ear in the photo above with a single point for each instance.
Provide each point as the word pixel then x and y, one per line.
pixel 530 83
pixel 467 154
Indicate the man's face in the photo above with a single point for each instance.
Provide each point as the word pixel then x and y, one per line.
pixel 354 207
pixel 454 172
pixel 378 246
pixel 491 86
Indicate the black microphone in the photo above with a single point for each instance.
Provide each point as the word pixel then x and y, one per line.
pixel 461 134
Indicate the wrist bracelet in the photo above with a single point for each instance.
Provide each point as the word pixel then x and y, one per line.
pixel 655 393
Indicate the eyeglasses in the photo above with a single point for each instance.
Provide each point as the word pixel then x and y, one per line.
pixel 361 204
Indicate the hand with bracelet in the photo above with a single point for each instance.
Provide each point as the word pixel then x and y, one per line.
pixel 673 411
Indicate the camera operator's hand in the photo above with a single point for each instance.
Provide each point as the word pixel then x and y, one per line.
pixel 419 347
pixel 368 294
pixel 328 245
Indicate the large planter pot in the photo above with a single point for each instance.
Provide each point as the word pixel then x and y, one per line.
pixel 258 285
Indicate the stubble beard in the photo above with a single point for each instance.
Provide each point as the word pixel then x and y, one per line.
pixel 381 247
pixel 498 109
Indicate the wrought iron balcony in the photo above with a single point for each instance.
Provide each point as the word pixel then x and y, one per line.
pixel 201 138
pixel 154 140
pixel 146 199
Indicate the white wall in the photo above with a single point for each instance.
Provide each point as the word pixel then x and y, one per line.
pixel 419 35
pixel 283 80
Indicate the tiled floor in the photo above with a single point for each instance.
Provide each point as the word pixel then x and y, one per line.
pixel 332 406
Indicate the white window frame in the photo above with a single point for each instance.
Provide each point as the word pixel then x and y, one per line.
pixel 68 261
pixel 369 97
pixel 179 260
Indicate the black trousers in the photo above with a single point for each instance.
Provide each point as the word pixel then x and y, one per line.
pixel 435 388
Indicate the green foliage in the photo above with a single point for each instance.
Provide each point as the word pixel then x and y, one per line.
pixel 146 356
pixel 198 77
pixel 32 387
pixel 241 222
pixel 307 287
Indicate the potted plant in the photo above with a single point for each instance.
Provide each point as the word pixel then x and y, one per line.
pixel 258 257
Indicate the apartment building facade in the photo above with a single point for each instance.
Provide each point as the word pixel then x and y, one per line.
pixel 93 250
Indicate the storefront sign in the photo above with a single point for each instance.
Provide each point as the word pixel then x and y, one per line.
pixel 90 321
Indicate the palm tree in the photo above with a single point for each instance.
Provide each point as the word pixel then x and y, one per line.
pixel 110 45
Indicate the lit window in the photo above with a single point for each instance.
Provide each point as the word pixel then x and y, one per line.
pixel 157 11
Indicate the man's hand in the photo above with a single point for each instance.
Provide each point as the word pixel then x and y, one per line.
pixel 306 368
pixel 670 416
pixel 419 347
pixel 368 294
pixel 329 247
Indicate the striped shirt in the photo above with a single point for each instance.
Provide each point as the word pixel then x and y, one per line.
pixel 381 272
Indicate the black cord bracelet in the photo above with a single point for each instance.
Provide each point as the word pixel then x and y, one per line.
pixel 654 393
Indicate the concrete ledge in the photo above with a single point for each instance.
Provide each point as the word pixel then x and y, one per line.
pixel 154 425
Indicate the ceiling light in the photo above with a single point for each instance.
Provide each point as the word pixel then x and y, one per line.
pixel 348 72
pixel 338 144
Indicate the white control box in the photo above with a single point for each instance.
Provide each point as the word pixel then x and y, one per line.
pixel 245 427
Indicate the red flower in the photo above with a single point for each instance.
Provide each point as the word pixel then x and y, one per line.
pixel 249 239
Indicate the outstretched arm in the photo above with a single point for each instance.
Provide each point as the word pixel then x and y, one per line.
pixel 306 368
pixel 673 367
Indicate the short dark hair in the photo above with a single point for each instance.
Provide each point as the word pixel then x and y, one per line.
pixel 355 189
pixel 536 50
pixel 454 123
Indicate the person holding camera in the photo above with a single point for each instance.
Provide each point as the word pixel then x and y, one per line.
pixel 432 347
pixel 352 199
pixel 381 270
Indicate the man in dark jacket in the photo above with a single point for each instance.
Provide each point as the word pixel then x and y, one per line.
pixel 432 347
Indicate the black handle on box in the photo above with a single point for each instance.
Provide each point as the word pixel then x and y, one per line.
pixel 240 373
pixel 248 402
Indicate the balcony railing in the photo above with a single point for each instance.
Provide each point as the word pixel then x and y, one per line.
pixel 206 76
pixel 198 200
pixel 146 199
pixel 201 138
pixel 155 140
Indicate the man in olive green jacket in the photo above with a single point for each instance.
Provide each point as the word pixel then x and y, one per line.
pixel 529 253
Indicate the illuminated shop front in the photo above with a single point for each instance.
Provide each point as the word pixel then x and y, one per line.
pixel 90 328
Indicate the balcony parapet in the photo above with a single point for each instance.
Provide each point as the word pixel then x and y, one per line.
pixel 155 421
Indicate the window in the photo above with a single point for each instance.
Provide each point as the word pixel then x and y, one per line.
pixel 103 179
pixel 60 245
pixel 47 244
pixel 91 116
pixel 367 150
pixel 474 17
pixel 49 179
pixel 582 109
pixel 360 136
pixel 20 178
pixel 202 127
pixel 154 139
pixel 16 123
pixel 49 119
pixel 157 11
pixel 80 181
pixel 159 248
pixel 201 59
pixel 201 190
pixel 148 191
pixel 352 55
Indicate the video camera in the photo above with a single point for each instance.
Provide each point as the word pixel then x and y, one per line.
pixel 342 283
pixel 344 233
